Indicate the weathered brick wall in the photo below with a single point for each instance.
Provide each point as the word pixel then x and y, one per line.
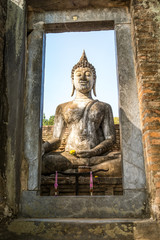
pixel 146 38
pixel 47 132
pixel 3 107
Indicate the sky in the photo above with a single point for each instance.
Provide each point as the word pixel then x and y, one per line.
pixel 63 51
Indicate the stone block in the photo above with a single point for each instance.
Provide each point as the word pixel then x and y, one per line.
pixel 74 228
pixel 130 204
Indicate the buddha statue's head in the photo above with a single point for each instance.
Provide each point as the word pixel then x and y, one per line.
pixel 83 76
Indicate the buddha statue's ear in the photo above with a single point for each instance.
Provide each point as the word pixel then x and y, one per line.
pixel 73 89
pixel 94 89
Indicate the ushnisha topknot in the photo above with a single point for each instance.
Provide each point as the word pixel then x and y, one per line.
pixel 83 62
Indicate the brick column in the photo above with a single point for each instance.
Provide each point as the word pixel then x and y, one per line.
pixel 146 38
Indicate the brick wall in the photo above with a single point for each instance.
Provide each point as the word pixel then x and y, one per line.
pixel 47 132
pixel 146 38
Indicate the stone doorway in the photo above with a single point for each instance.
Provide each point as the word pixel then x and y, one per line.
pixel 132 153
pixel 104 60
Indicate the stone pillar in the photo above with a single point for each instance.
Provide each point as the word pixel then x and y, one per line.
pixel 3 107
pixel 33 107
pixel 131 137
pixel 146 35
pixel 14 73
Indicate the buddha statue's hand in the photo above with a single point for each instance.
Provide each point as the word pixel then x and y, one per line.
pixel 85 153
pixel 101 148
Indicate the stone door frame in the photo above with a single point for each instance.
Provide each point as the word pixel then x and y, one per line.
pixel 133 201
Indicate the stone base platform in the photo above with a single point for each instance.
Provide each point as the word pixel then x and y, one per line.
pixel 76 229
pixel 67 186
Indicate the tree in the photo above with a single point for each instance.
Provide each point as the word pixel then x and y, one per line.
pixel 45 121
pixel 51 120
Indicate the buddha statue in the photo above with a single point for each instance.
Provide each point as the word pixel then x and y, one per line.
pixel 90 127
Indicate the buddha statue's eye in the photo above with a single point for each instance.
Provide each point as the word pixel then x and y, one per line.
pixel 78 74
pixel 88 74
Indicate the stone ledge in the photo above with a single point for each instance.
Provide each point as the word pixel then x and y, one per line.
pixel 130 205
pixel 95 229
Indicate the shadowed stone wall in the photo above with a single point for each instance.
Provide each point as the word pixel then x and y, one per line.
pixel 12 31
pixel 146 35
pixel 3 107
pixel 53 5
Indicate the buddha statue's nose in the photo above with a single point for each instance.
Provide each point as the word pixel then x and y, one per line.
pixel 83 76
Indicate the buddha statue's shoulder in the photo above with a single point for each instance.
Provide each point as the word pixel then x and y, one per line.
pixel 102 105
pixel 63 106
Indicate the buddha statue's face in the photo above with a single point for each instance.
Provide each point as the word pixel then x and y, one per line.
pixel 83 79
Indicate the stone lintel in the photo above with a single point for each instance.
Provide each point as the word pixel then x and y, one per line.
pixel 78 16
pixel 52 5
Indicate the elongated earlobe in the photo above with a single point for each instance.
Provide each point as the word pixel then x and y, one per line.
pixel 73 89
pixel 94 90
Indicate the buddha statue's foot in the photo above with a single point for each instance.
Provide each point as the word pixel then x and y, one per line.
pixel 114 168
pixel 55 161
pixel 110 162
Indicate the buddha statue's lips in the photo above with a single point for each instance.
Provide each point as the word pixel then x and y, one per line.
pixel 83 82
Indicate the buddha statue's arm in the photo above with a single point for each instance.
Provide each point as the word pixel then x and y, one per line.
pixel 59 125
pixel 50 145
pixel 109 135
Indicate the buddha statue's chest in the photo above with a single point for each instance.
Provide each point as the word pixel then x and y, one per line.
pixel 79 114
pixel 73 115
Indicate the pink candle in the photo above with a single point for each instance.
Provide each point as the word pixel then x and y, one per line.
pixel 91 183
pixel 56 183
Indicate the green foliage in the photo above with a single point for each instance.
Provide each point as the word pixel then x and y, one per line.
pixel 116 120
pixel 51 120
pixel 48 122
pixel 45 121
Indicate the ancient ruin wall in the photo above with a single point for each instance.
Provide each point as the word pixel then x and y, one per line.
pixel 3 107
pixel 146 35
pixel 12 63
